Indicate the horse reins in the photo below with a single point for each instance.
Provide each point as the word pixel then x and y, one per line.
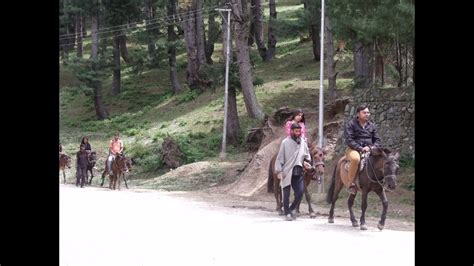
pixel 382 184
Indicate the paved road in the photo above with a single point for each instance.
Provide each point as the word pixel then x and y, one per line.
pixel 103 227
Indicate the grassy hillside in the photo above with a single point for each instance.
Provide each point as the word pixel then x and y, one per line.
pixel 146 110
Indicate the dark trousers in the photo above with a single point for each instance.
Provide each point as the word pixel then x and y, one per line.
pixel 298 186
pixel 81 175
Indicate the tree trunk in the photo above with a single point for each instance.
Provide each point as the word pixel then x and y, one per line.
pixel 123 48
pixel 245 74
pixel 414 61
pixel 314 33
pixel 257 15
pixel 272 40
pixel 70 31
pixel 150 14
pixel 201 55
pixel 212 38
pixel 362 65
pixel 406 64
pixel 79 32
pixel 233 125
pixel 191 50
pixel 100 109
pixel 84 25
pixel 399 63
pixel 94 35
pixel 116 74
pixel 379 65
pixel 251 40
pixel 171 11
pixel 330 64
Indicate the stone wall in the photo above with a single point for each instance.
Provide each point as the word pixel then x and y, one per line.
pixel 393 111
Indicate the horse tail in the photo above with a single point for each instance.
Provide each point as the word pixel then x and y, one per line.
pixel 270 177
pixel 332 186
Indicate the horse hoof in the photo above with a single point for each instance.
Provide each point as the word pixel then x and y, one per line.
pixel 312 215
pixel 355 224
pixel 331 220
pixel 363 227
pixel 380 227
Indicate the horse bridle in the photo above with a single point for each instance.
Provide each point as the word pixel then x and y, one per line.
pixel 316 164
pixel 382 184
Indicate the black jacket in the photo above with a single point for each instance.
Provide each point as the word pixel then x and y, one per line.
pixel 82 159
pixel 87 146
pixel 357 137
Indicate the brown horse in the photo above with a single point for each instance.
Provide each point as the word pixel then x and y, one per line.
pixel 64 161
pixel 378 175
pixel 90 165
pixel 120 166
pixel 316 173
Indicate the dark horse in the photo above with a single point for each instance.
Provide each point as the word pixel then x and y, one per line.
pixel 378 175
pixel 120 166
pixel 90 165
pixel 316 173
pixel 64 161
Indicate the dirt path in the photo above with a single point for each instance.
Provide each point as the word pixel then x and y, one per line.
pixel 144 227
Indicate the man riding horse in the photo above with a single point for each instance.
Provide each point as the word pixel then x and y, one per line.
pixel 115 148
pixel 360 136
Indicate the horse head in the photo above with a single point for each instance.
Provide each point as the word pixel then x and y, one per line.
pixel 66 160
pixel 318 156
pixel 128 164
pixel 92 157
pixel 122 162
pixel 384 166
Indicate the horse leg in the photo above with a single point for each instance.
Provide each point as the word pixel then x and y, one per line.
pixel 278 196
pixel 64 176
pixel 350 203
pixel 125 181
pixel 363 205
pixel 89 181
pixel 103 178
pixel 307 195
pixel 383 198
pixel 277 193
pixel 312 214
pixel 337 190
pixel 118 181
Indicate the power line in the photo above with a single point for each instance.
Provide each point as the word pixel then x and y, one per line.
pixel 175 17
pixel 126 26
pixel 189 17
pixel 165 23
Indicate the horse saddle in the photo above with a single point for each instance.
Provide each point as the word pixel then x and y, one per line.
pixel 362 163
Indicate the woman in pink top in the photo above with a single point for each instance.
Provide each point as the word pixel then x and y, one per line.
pixel 298 117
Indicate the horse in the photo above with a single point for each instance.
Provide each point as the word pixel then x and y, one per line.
pixel 64 161
pixel 90 165
pixel 120 166
pixel 379 174
pixel 315 173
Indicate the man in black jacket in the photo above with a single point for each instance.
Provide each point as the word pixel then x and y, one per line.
pixel 82 160
pixel 360 136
